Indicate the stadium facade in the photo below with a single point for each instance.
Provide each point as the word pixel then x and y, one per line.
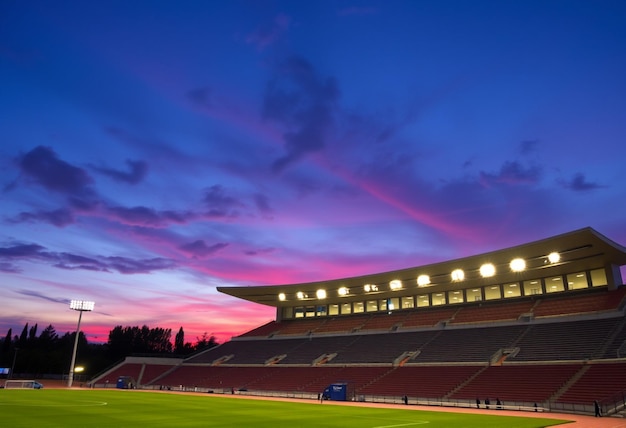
pixel 577 260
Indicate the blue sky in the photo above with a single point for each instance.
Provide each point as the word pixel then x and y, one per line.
pixel 152 151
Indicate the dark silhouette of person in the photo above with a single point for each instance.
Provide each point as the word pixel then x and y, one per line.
pixel 478 403
pixel 406 400
pixel 596 407
pixel 498 403
pixel 487 403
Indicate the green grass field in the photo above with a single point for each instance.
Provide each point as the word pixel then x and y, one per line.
pixel 120 409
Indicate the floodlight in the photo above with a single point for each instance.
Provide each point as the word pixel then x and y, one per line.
pixel 321 294
pixel 457 275
pixel 80 306
pixel 370 287
pixel 487 270
pixel 554 257
pixel 282 297
pixel 396 284
pixel 518 265
pixel 423 280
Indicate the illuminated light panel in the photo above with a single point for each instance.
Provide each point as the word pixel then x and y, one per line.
pixel 554 257
pixel 517 265
pixel 343 291
pixel 282 297
pixel 423 280
pixel 487 270
pixel 82 305
pixel 396 284
pixel 370 287
pixel 457 275
pixel 321 294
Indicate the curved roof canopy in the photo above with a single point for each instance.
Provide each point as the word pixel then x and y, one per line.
pixel 580 250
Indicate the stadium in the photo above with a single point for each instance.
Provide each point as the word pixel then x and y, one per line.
pixel 538 327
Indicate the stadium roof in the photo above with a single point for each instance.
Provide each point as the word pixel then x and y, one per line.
pixel 580 250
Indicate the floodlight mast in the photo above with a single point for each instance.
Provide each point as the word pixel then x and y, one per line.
pixel 80 306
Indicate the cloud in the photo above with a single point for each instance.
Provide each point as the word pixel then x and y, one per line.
pixel 259 251
pixel 136 173
pixel 9 268
pixel 131 266
pixel 579 183
pixel 42 166
pixel 69 261
pixel 220 204
pixel 10 254
pixel 200 249
pixel 148 217
pixel 75 262
pixel 33 293
pixel 512 173
pixel 271 33
pixel 304 103
pixel 60 218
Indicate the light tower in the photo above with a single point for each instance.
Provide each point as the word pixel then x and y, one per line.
pixel 80 306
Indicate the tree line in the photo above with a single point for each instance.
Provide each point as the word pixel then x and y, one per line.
pixel 49 353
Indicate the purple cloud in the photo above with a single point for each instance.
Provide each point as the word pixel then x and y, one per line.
pixel 512 173
pixel 21 251
pixel 220 204
pixel 42 166
pixel 126 265
pixel 60 218
pixel 9 268
pixel 200 249
pixel 259 251
pixel 579 183
pixel 304 103
pixel 136 173
pixel 69 261
pixel 38 295
pixel 148 217
pixel 75 262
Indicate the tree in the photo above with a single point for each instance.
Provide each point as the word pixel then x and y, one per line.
pixel 124 341
pixel 23 336
pixel 179 341
pixel 32 334
pixel 48 338
pixel 6 345
pixel 205 342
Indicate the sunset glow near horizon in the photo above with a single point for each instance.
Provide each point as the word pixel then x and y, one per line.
pixel 152 151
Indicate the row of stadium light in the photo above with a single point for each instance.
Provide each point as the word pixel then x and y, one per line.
pixel 487 270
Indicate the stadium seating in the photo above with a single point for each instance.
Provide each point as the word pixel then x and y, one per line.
pixel 546 349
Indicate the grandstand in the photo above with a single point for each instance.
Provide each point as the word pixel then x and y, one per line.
pixel 537 326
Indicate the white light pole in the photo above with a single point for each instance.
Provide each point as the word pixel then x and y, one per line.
pixel 80 306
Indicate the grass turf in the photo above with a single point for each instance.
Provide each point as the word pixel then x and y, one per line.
pixel 114 408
